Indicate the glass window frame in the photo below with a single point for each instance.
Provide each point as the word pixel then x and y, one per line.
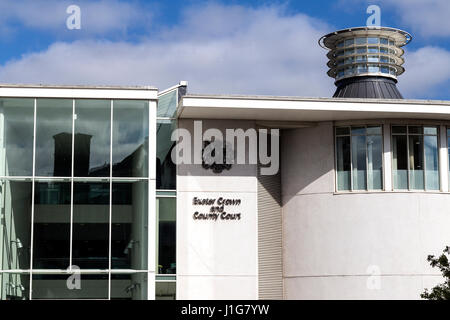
pixel 351 162
pixel 423 134
pixel 34 179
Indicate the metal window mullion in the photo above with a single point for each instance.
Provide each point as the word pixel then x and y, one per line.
pixel 407 159
pixel 424 162
pixel 351 161
pixel 71 187
pixel 110 199
pixel 448 157
pixel 32 201
pixel 336 182
pixel 151 198
pixel 367 162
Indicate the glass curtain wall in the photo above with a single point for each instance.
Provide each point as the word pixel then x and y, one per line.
pixel 166 196
pixel 415 157
pixel 76 220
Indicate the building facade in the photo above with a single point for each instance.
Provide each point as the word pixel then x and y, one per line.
pixel 107 192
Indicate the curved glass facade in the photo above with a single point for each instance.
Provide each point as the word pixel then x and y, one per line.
pixel 365 55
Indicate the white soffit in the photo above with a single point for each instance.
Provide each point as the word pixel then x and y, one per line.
pixel 86 92
pixel 305 109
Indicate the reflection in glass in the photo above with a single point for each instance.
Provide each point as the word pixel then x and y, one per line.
pixel 400 161
pixel 54 286
pixel 448 150
pixel 374 162
pixel 90 246
pixel 416 162
pixel 165 290
pixel 15 224
pixel 166 235
pixel 431 162
pixel 54 137
pixel 359 162
pixel 343 162
pixel 130 139
pixel 15 286
pixel 167 104
pixel 51 243
pixel 92 138
pixel 165 168
pixel 16 131
pixel 129 230
pixel 129 286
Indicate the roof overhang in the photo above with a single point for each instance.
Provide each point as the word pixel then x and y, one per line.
pixel 305 109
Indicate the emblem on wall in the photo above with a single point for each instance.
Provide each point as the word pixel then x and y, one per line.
pixel 211 164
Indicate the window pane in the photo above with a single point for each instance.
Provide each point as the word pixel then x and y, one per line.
pixel 430 130
pixel 90 247
pixel 166 219
pixel 165 290
pixel 374 130
pixel 15 224
pixel 16 131
pixel 167 104
pixel 92 138
pixel 343 162
pixel 129 225
pixel 14 286
pixel 349 42
pixel 372 40
pixel 54 286
pixel 374 162
pixel 399 162
pixel 342 131
pixel 130 139
pixel 399 129
pixel 415 129
pixel 129 286
pixel 361 50
pixel 358 130
pixel 448 148
pixel 431 162
pixel 51 243
pixel 166 171
pixel 361 40
pixel 416 162
pixel 359 162
pixel 54 137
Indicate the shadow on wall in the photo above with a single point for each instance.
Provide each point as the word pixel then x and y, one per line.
pixel 307 160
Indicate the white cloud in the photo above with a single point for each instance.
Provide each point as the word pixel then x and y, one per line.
pixel 427 18
pixel 97 17
pixel 427 72
pixel 218 49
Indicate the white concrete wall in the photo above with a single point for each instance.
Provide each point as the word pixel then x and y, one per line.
pixel 332 240
pixel 217 259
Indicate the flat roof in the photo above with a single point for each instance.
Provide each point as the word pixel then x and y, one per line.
pixel 272 108
pixel 57 86
pixel 78 91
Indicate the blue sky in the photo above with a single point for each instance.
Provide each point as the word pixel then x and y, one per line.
pixel 223 47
